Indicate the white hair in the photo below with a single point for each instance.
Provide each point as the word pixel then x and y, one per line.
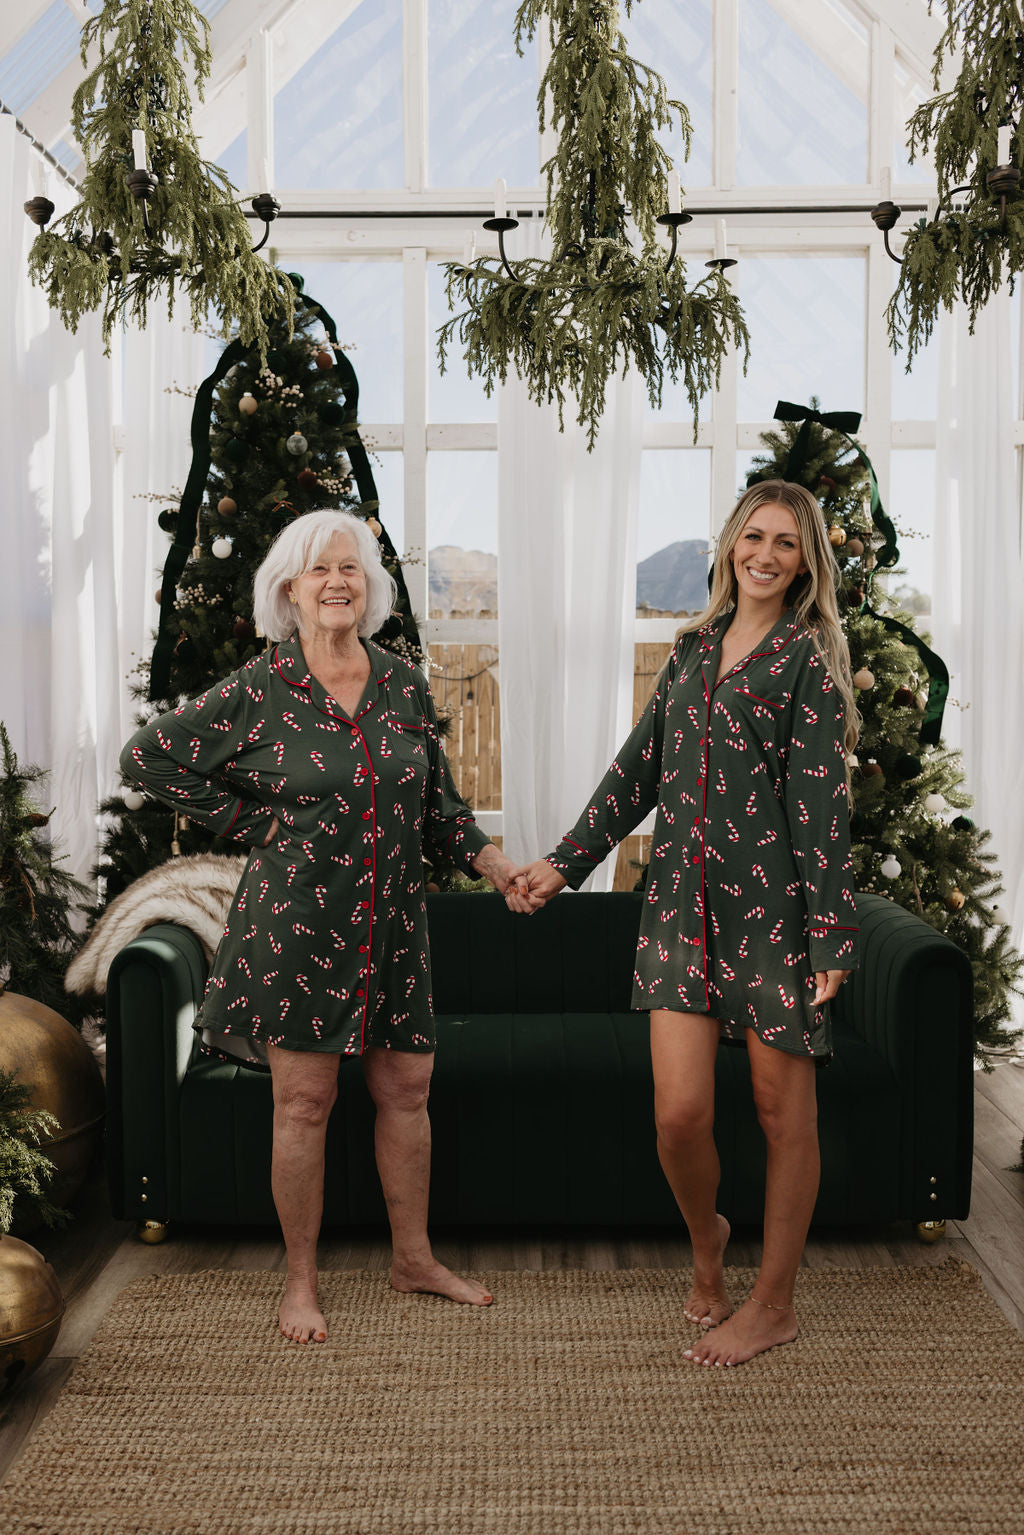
pixel 296 549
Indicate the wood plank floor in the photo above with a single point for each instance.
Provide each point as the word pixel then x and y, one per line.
pixel 97 1256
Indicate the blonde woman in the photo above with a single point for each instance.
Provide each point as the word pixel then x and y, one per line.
pixel 749 925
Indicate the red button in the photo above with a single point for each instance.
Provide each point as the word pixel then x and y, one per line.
pixel 696 858
pixel 355 732
pixel 367 862
pixel 360 993
pixel 367 814
pixel 364 905
pixel 362 948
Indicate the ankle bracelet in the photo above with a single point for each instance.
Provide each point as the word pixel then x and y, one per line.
pixel 768 1305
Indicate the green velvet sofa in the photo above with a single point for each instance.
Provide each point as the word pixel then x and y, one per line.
pixel 542 1104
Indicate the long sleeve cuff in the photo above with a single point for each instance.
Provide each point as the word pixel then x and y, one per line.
pixel 831 947
pixel 573 862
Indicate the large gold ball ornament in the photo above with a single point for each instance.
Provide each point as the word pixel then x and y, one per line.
pixel 855 546
pixel 956 900
pixel 864 679
pixel 837 536
pixel 31 1310
pixel 227 506
pixel 248 405
pixel 323 359
pixel 54 1062
pixel 374 526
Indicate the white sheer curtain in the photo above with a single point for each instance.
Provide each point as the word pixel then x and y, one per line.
pixel 566 605
pixel 76 578
pixel 979 577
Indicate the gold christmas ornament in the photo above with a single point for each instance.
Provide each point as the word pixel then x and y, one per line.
pixel 324 359
pixel 374 526
pixel 956 900
pixel 31 1310
pixel 864 679
pixel 248 405
pixel 227 507
pixel 56 1064
pixel 836 537
pixel 855 546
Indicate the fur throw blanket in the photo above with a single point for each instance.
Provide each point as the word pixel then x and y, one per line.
pixel 195 892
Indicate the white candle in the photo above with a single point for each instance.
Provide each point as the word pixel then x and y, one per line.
pixel 675 193
pixel 38 176
pixel 886 182
pixel 265 184
pixel 500 194
pixel 1003 152
pixel 719 240
pixel 139 148
pixel 931 209
pixel 469 249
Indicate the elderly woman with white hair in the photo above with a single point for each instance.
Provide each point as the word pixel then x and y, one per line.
pixel 322 756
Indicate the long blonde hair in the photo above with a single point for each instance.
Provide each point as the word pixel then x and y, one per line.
pixel 811 595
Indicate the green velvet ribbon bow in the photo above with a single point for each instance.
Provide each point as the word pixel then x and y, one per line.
pixel 195 485
pixel 846 422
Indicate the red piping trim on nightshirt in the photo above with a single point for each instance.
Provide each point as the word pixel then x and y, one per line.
pixel 581 850
pixel 373 888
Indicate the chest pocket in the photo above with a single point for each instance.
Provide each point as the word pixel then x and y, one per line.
pixel 403 751
pixel 765 716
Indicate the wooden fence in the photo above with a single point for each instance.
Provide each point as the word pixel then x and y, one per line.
pixel 465 684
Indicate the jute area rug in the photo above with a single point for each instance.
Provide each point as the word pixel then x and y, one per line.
pixel 564 1409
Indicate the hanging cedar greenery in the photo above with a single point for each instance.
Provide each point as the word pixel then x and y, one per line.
pixel 567 325
pixel 99 256
pixel 966 253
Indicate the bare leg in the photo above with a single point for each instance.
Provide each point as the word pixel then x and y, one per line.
pixel 785 1094
pixel 399 1082
pixel 305 1087
pixel 683 1049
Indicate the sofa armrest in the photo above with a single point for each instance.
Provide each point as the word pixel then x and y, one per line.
pixel 154 990
pixel 912 1001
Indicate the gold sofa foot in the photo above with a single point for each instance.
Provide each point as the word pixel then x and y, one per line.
pixel 152 1231
pixel 930 1231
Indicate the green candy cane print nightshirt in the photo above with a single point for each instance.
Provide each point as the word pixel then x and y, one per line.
pixel 749 887
pixel 325 946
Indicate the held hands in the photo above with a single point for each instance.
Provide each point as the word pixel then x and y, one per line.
pixel 499 870
pixel 828 983
pixel 533 886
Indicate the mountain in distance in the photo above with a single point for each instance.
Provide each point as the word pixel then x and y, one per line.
pixel 674 579
pixel 465 581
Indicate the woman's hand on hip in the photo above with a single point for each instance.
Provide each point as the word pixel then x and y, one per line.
pixel 828 983
pixel 272 833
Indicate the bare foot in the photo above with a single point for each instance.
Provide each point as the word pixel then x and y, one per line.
pixel 707 1302
pixel 299 1316
pixel 753 1330
pixel 432 1278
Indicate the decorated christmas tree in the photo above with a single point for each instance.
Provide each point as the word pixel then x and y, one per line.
pixel 912 838
pixel 37 940
pixel 270 441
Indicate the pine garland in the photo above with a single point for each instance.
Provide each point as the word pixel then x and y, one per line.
pixel 568 325
pixel 947 874
pixel 37 940
pixel 968 254
pixel 24 1170
pixel 98 256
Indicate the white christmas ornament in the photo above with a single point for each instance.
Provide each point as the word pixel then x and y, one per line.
pixel 999 915
pixel 891 867
pixel 297 444
pixel 934 803
pixel 133 799
pixel 221 548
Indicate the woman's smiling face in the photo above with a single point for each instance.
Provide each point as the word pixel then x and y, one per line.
pixel 331 594
pixel 767 558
